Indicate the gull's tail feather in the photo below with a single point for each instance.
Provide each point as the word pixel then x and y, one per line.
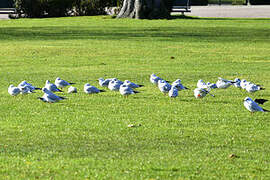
pixel 260 101
pixel 101 90
pixel 72 83
pixel 59 90
pixel 136 92
pixel 38 88
pixel 62 97
pixel 140 85
pixel 261 88
pixel 264 110
pixel 186 88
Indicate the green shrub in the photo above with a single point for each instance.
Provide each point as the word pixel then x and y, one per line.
pixel 90 7
pixel 59 8
pixel 199 2
pixel 30 8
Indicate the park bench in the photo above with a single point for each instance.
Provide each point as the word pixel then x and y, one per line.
pixel 7 10
pixel 181 6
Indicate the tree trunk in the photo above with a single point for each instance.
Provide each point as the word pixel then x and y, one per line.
pixel 146 9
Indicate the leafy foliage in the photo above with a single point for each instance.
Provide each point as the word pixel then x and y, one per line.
pixel 60 8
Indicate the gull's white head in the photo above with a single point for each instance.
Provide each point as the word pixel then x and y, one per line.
pixel 87 84
pixel 161 81
pixel 126 81
pixel 23 82
pixel 178 80
pixel 58 78
pixel 11 86
pixel 200 80
pixel 247 99
pixel 237 80
pixel 47 82
pixel 45 90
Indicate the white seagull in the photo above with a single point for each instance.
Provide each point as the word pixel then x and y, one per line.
pixel 154 79
pixel 243 84
pixel 173 93
pixel 211 85
pixel 237 83
pixel 223 83
pixel 60 83
pixel 88 89
pixel 126 90
pixel 72 89
pixel 163 86
pixel 104 82
pixel 252 106
pixel 177 83
pixel 201 84
pixel 50 97
pixel 131 84
pixel 25 86
pixel 201 93
pixel 13 91
pixel 52 87
pixel 114 84
pixel 26 90
pixel 250 87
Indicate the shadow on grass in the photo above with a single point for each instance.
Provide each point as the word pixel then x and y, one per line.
pixel 186 33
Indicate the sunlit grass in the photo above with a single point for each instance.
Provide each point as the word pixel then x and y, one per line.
pixel 86 136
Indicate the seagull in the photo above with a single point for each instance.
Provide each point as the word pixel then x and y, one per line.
pixel 126 90
pixel 237 83
pixel 26 90
pixel 163 86
pixel 252 106
pixel 104 82
pixel 13 91
pixel 114 84
pixel 211 85
pixel 28 85
pixel 201 84
pixel 72 89
pixel 177 83
pixel 243 84
pixel 201 92
pixel 154 79
pixel 60 83
pixel 88 89
pixel 173 93
pixel 131 84
pixel 223 83
pixel 250 87
pixel 50 97
pixel 52 87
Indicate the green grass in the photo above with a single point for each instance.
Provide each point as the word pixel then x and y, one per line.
pixel 86 137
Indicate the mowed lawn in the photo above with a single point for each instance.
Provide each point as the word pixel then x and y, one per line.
pixel 87 136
